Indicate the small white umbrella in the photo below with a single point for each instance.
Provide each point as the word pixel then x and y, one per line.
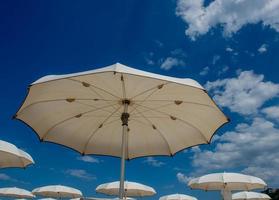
pixel 57 191
pixel 227 182
pixel 97 198
pixel 245 195
pixel 177 197
pixel 132 189
pixel 14 192
pixel 11 156
pixel 121 111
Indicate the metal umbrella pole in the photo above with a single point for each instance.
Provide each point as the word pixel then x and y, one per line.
pixel 124 119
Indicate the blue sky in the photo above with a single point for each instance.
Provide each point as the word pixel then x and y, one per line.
pixel 231 47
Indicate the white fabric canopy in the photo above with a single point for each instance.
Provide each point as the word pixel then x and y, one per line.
pixel 227 181
pixel 121 111
pixel 14 192
pixel 177 197
pixel 11 156
pixel 132 189
pixel 250 196
pixel 57 191
pixel 83 111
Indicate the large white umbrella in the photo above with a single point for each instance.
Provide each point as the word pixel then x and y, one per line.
pixel 177 197
pixel 11 156
pixel 245 195
pixel 14 192
pixel 57 191
pixel 121 111
pixel 227 182
pixel 132 189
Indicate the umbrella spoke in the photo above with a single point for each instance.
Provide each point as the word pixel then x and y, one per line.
pixel 99 127
pixel 62 99
pixel 72 117
pixel 123 87
pixel 156 128
pixel 185 122
pixel 153 88
pixel 93 86
pixel 187 102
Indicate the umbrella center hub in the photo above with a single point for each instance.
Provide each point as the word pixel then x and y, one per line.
pixel 126 101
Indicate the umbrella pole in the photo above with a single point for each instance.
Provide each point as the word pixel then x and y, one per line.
pixel 124 119
pixel 226 194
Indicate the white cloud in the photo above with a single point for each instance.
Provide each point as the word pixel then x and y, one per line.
pixel 244 94
pixel 223 70
pixel 88 159
pixel 262 48
pixel 272 112
pixel 182 178
pixel 231 15
pixel 171 62
pixel 80 173
pixel 5 177
pixel 215 59
pixel 252 148
pixel 229 49
pixel 153 162
pixel 204 71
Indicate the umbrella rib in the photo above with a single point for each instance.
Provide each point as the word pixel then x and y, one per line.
pixel 187 102
pixel 92 106
pixel 95 130
pixel 163 136
pixel 189 124
pixel 91 87
pixel 145 99
pixel 69 118
pixel 64 99
pixel 148 90
pixel 96 88
pixel 123 87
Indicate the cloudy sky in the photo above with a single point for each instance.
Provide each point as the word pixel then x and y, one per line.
pixel 229 46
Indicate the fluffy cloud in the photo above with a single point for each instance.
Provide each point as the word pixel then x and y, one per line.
pixel 88 159
pixel 153 162
pixel 204 71
pixel 231 15
pixel 262 48
pixel 250 147
pixel 244 94
pixel 272 112
pixel 171 62
pixel 182 178
pixel 5 177
pixel 229 49
pixel 80 173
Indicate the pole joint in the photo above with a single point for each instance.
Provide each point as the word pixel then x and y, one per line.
pixel 124 118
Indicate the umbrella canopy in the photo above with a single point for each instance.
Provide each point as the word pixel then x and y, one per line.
pixel 132 189
pixel 227 181
pixel 177 197
pixel 57 191
pixel 120 111
pixel 14 192
pixel 250 196
pixel 11 156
